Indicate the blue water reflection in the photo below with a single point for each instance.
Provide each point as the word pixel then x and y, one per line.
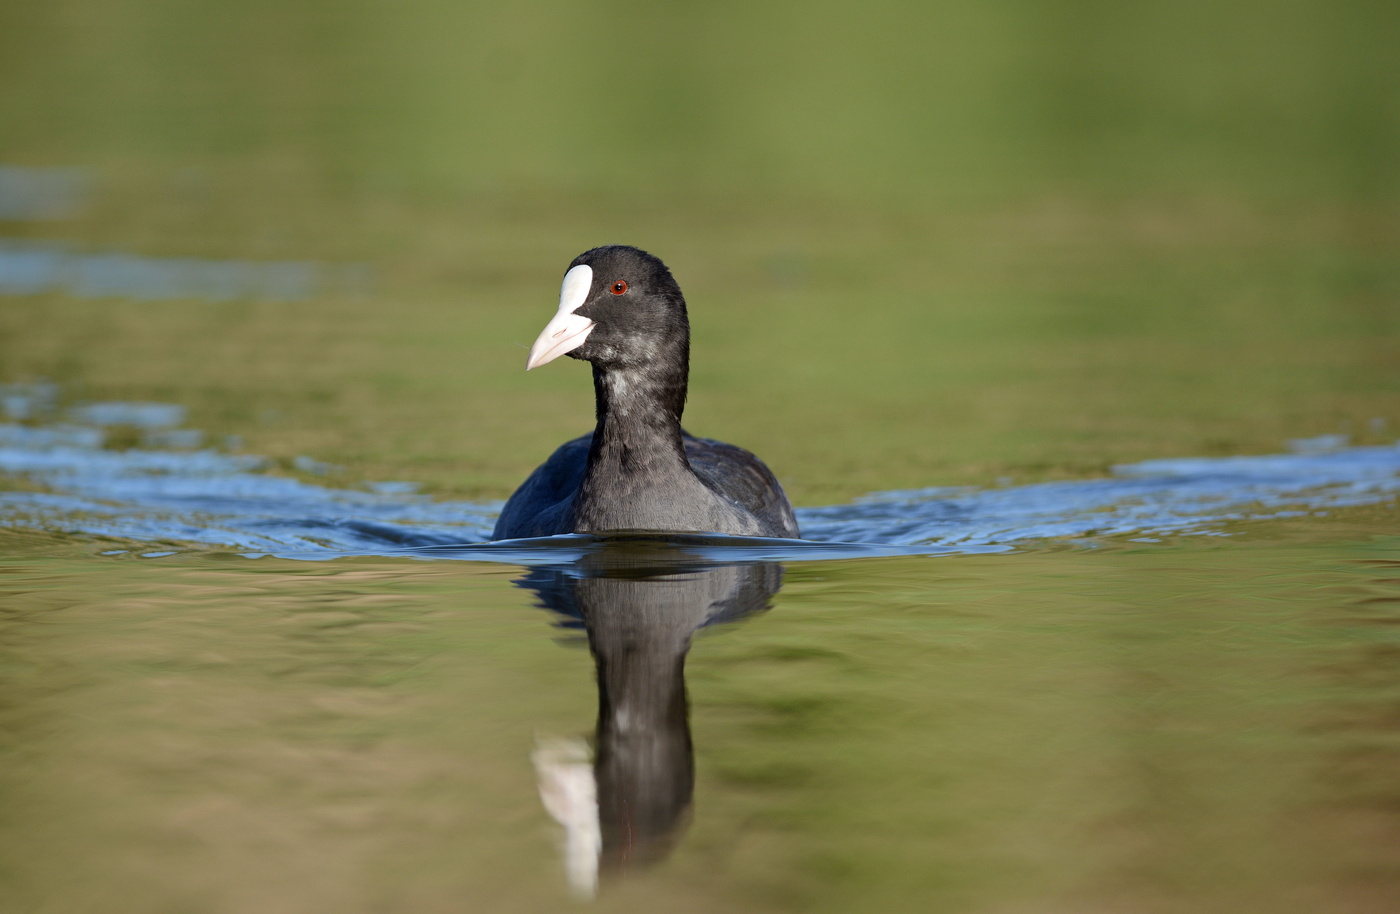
pixel 37 194
pixel 35 268
pixel 41 194
pixel 212 498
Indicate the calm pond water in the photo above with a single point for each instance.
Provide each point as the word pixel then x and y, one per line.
pixel 1071 328
pixel 1172 689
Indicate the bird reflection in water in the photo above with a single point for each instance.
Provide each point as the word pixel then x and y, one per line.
pixel 640 600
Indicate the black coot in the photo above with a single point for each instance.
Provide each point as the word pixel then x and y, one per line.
pixel 620 309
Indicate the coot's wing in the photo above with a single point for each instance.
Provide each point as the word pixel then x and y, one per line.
pixel 742 478
pixel 543 505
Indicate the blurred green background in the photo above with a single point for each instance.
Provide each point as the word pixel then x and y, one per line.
pixel 923 243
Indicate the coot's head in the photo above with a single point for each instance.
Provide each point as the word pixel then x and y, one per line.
pixel 618 308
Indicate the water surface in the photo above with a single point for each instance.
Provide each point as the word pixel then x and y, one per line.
pixel 228 690
pixel 1071 329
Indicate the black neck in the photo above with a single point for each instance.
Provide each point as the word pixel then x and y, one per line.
pixel 638 477
pixel 639 411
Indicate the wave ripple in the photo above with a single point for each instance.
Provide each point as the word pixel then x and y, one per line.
pixel 210 498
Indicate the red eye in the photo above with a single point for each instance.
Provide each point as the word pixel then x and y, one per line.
pixel 619 287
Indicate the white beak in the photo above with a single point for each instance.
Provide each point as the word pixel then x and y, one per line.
pixel 566 331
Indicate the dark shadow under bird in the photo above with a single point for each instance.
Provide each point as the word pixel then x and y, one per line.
pixel 641 602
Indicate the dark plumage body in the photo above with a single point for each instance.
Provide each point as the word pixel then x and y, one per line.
pixel 638 470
